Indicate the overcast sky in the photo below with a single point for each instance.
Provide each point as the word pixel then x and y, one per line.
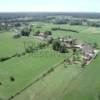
pixel 50 5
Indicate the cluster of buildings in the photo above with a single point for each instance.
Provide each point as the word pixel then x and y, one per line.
pixel 43 36
pixel 88 52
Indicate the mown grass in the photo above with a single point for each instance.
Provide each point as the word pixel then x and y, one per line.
pixel 10 46
pixel 24 70
pixel 59 84
pixel 52 86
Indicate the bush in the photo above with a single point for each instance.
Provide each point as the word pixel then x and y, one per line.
pixel 0 83
pixel 59 46
pixel 62 29
pixel 18 55
pixel 17 25
pixel 42 45
pixel 48 33
pixel 12 79
pixel 56 45
pixel 16 36
pixel 4 59
pixel 50 40
pixel 51 70
pixel 25 32
pixel 37 33
pixel 23 53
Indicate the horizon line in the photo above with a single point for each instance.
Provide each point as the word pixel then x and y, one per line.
pixel 47 12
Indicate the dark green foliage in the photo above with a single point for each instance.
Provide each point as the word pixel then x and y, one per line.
pixel 56 45
pixel 25 32
pixel 48 33
pixel 16 36
pixel 74 51
pixel 60 21
pixel 62 29
pixel 18 55
pixel 95 45
pixel 37 33
pixel 1 99
pixel 93 23
pixel 23 53
pixel 59 46
pixel 51 70
pixel 12 79
pixel 4 59
pixel 83 65
pixel 29 49
pixel 0 83
pixel 62 49
pixel 98 97
pixel 50 40
pixel 42 45
pixel 17 25
pixel 75 22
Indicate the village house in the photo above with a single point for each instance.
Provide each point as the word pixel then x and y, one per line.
pixel 88 53
pixel 67 41
pixel 42 36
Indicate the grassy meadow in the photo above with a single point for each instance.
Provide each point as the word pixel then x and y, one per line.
pixel 70 82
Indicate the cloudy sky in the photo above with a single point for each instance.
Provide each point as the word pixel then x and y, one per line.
pixel 50 5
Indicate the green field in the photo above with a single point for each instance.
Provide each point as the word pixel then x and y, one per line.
pixel 70 83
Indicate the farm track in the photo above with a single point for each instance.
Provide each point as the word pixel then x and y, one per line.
pixel 38 79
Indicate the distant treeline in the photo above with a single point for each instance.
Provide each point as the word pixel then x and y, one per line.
pixel 62 29
pixel 55 18
pixel 36 14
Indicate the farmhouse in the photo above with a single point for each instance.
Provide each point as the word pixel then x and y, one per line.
pixel 40 36
pixel 87 52
pixel 43 35
pixel 67 41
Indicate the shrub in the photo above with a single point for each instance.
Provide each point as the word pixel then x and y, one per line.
pixel 23 53
pixel 12 79
pixel 48 33
pixel 1 99
pixel 62 49
pixel 16 36
pixel 0 83
pixel 37 33
pixel 56 45
pixel 51 70
pixel 25 32
pixel 18 55
pixel 50 40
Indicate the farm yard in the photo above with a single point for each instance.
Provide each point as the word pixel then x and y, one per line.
pixel 32 72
